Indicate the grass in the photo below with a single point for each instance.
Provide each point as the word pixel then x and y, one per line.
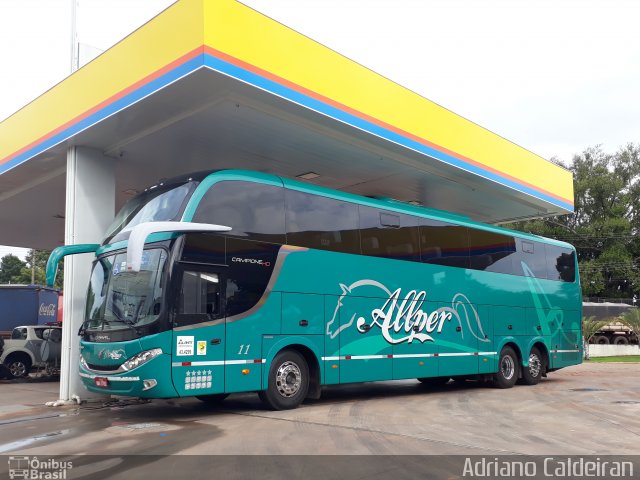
pixel 625 359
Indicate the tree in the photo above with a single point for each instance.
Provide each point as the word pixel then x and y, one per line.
pixel 604 227
pixel 12 270
pixel 631 319
pixel 590 326
pixel 37 268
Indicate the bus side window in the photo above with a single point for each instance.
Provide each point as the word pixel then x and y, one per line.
pixel 200 294
pixel 251 265
pixel 561 264
pixel 389 235
pixel 444 244
pixel 252 210
pixel 532 254
pixel 491 252
pixel 324 223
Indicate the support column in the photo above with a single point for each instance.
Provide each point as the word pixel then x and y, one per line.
pixel 89 210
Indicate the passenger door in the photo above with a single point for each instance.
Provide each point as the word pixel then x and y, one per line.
pixel 199 330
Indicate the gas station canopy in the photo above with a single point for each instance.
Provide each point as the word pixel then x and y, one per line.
pixel 214 84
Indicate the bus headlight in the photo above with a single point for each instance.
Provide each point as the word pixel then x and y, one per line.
pixel 140 358
pixel 83 363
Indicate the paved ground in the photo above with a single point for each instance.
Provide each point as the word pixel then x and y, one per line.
pixel 587 409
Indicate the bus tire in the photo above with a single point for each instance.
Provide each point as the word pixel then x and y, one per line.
pixel 601 340
pixel 434 381
pixel 212 399
pixel 288 381
pixel 507 369
pixel 532 374
pixel 619 340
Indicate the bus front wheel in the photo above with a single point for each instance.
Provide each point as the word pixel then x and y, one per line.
pixel 507 369
pixel 288 381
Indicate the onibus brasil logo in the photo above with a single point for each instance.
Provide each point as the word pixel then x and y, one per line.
pixel 35 468
pixel 402 318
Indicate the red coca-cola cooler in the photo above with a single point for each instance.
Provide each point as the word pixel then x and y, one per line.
pixel 60 303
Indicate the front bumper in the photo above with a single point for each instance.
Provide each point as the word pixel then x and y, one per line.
pixel 132 383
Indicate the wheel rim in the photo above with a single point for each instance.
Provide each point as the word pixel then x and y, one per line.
pixel 288 379
pixel 535 365
pixel 17 369
pixel 507 367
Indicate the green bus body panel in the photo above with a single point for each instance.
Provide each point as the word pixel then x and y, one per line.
pixel 113 353
pixel 354 315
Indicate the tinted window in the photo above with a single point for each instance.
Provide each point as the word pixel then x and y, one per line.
pixel 444 244
pixel 203 248
pixel 532 255
pixel 200 294
pixel 389 235
pixel 250 267
pixel 491 252
pixel 320 222
pixel 158 204
pixel 561 263
pixel 19 334
pixel 252 210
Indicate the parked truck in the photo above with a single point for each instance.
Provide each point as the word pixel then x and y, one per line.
pixel 27 305
pixel 615 332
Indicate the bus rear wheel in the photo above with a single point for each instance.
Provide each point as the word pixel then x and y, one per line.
pixel 507 369
pixel 532 374
pixel 288 381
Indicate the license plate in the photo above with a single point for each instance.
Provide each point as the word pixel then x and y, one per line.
pixel 101 382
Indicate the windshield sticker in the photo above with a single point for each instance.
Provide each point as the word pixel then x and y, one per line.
pixel 184 346
pixel 116 269
pixel 202 347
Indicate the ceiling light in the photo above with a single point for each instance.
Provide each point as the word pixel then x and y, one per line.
pixel 308 175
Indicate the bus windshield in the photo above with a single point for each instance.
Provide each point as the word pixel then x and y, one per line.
pixel 117 298
pixel 159 204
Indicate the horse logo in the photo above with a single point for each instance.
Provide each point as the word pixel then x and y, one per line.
pixel 402 318
pixel 332 331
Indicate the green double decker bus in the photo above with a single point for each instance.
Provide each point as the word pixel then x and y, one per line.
pixel 239 281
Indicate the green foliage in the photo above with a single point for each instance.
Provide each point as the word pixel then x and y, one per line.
pixel 625 359
pixel 605 225
pixel 590 326
pixel 631 319
pixel 12 270
pixel 15 271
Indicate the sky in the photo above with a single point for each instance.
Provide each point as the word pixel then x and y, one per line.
pixel 554 76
